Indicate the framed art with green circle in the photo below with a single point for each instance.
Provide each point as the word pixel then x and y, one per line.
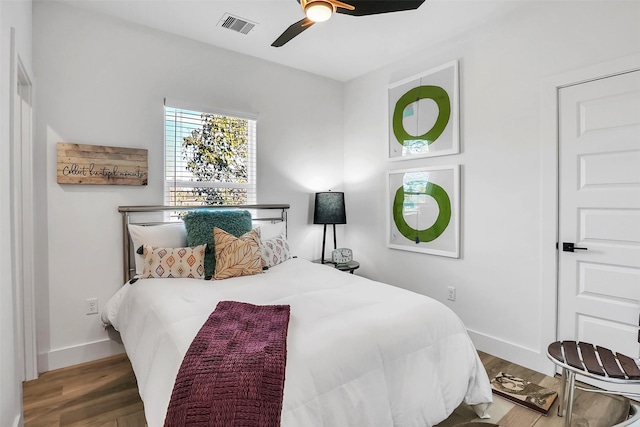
pixel 423 114
pixel 423 207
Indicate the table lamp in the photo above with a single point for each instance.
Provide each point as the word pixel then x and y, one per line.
pixel 329 209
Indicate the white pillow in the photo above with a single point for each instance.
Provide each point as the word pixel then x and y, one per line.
pixel 165 236
pixel 269 231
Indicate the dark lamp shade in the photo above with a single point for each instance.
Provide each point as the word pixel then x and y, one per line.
pixel 329 208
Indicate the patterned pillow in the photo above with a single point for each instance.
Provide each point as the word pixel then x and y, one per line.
pixel 199 226
pixel 172 235
pixel 275 251
pixel 236 256
pixel 173 262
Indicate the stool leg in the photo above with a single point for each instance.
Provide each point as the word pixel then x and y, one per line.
pixel 563 394
pixel 570 385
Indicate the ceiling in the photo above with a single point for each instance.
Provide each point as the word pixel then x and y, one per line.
pixel 342 48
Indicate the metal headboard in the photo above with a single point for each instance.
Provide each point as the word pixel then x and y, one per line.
pixel 127 211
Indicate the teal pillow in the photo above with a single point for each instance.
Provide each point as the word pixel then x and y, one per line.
pixel 199 226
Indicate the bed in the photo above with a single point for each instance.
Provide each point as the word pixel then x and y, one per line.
pixel 358 352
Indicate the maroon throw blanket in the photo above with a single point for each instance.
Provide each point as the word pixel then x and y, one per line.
pixel 233 373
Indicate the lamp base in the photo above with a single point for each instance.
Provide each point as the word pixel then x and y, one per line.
pixel 335 246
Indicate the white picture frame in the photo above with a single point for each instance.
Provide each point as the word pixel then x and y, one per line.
pixel 423 114
pixel 423 210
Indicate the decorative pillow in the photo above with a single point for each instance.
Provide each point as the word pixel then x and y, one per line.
pixel 236 256
pixel 200 224
pixel 164 236
pixel 275 251
pixel 173 262
pixel 269 231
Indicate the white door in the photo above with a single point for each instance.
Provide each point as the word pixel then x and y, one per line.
pixel 599 203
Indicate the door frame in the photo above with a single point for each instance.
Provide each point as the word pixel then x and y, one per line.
pixel 550 167
pixel 21 140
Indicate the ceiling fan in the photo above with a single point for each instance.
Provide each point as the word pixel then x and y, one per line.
pixel 321 10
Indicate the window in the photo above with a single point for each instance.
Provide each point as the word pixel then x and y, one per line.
pixel 210 158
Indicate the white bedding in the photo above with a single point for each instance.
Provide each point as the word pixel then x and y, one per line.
pixel 359 353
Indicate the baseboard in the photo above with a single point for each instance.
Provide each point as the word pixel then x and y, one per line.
pixel 69 356
pixel 529 358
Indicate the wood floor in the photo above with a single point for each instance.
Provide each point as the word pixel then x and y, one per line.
pixel 104 394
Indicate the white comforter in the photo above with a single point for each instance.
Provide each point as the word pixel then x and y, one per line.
pixel 359 353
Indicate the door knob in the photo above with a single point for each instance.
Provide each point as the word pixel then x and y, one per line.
pixel 571 247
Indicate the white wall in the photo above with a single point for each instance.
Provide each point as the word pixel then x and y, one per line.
pixel 16 16
pixel 102 81
pixel 501 296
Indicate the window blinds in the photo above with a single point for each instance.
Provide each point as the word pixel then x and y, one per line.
pixel 213 173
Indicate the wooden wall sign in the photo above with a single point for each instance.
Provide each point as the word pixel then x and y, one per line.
pixel 97 164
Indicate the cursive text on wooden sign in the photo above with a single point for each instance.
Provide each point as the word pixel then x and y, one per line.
pixel 98 164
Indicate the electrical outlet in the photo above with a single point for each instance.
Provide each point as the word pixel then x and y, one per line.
pixel 452 293
pixel 92 306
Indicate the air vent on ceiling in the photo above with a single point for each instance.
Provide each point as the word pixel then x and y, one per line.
pixel 236 24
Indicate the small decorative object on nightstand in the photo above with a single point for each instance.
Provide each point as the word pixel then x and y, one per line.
pixel 341 256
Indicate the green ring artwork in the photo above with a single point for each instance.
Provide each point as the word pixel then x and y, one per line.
pixel 438 227
pixel 435 93
pixel 423 114
pixel 423 210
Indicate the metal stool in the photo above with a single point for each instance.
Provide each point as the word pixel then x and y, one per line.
pixel 591 361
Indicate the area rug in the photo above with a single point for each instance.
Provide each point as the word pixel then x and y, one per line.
pixel 523 392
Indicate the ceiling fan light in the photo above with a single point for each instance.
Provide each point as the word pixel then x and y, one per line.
pixel 318 11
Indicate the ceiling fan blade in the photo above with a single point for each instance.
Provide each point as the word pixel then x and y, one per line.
pixel 369 7
pixel 292 31
pixel 338 4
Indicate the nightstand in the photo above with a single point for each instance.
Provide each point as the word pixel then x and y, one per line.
pixel 351 266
